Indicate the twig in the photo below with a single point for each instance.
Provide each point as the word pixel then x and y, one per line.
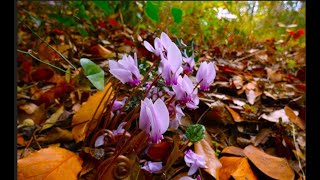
pixel 53 48
pixel 30 54
pixel 254 53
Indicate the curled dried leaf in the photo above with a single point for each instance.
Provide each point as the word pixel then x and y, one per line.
pixel 275 167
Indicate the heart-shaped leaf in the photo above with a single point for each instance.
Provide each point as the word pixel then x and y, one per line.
pixel 152 11
pixel 177 15
pixel 93 72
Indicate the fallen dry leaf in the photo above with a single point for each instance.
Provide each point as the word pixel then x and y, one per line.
pixel 101 51
pixel 86 118
pixel 53 118
pixel 294 118
pixel 50 163
pixel 236 117
pixel 29 108
pixel 276 115
pixel 20 140
pixel 203 148
pixel 233 150
pixel 237 167
pixel 56 135
pixel 275 167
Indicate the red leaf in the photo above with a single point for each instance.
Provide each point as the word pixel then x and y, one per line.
pixel 102 24
pixel 159 151
pixel 112 22
pixel 42 74
pixel 62 89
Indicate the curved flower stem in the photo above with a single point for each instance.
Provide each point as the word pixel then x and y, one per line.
pixel 197 85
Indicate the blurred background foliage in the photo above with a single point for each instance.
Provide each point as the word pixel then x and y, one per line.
pixel 230 23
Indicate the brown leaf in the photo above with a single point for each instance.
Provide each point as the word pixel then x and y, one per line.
pixel 275 167
pixel 56 135
pixel 212 162
pixel 86 119
pixel 101 51
pixel 233 150
pixel 50 163
pixel 236 117
pixel 294 118
pixel 237 167
pixel 53 119
pixel 29 108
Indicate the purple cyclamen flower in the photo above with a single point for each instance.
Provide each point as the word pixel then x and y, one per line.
pixel 170 65
pixel 189 178
pixel 175 120
pixel 154 119
pixel 126 70
pixel 100 139
pixel 188 64
pixel 118 104
pixel 157 46
pixel 185 93
pixel 205 75
pixel 152 166
pixel 120 129
pixel 194 161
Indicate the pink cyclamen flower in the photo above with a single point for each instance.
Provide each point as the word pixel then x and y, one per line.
pixel 126 70
pixel 154 119
pixel 100 139
pixel 185 93
pixel 157 46
pixel 175 120
pixel 189 178
pixel 188 64
pixel 170 65
pixel 152 166
pixel 120 129
pixel 118 104
pixel 194 161
pixel 205 75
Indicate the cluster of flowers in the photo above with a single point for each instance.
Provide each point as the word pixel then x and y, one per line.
pixel 155 116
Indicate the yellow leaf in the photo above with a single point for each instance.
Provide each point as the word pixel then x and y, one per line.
pixel 212 162
pixel 86 118
pixel 237 167
pixel 53 119
pixel 275 167
pixel 49 164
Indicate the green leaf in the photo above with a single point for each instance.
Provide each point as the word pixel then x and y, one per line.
pixel 83 32
pixel 152 11
pixel 93 72
pixel 82 12
pixel 195 132
pixel 66 20
pixel 177 15
pixel 104 5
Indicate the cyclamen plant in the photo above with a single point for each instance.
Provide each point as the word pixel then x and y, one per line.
pixel 162 106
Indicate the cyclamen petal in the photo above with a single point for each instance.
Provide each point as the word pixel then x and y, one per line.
pixel 154 119
pixel 126 70
pixel 189 178
pixel 205 75
pixel 152 166
pixel 185 93
pixel 194 161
